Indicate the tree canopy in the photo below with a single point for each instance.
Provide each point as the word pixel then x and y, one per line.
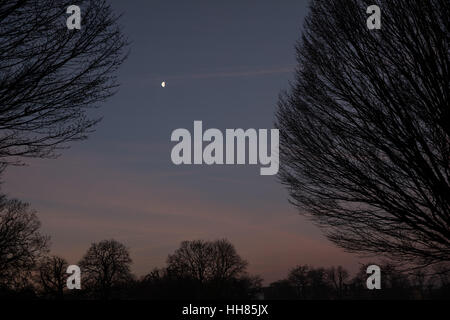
pixel 51 76
pixel 364 128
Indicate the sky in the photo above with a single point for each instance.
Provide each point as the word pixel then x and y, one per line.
pixel 225 63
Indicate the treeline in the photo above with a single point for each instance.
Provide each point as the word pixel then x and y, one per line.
pixel 335 283
pixel 196 270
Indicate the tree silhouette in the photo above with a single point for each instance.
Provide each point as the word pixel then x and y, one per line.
pixel 338 278
pixel 52 276
pixel 207 261
pixel 309 283
pixel 305 283
pixel 51 76
pixel 211 269
pixel 104 267
pixel 21 243
pixel 365 134
pixel 298 278
pixel 193 259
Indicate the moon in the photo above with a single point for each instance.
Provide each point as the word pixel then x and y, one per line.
pixel 163 84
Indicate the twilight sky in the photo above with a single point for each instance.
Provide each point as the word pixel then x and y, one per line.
pixel 225 63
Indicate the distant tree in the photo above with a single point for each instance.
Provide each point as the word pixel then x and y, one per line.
pixel 104 267
pixel 212 269
pixel 338 278
pixel 207 261
pixel 165 284
pixel 52 277
pixel 245 287
pixel 393 278
pixel 226 263
pixel 51 76
pixel 319 285
pixel 298 278
pixel 193 259
pixel 21 243
pixel 364 129
pixel 308 283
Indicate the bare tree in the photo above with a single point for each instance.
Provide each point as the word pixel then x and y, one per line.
pixel 365 134
pixel 338 277
pixel 226 263
pixel 192 259
pixel 298 278
pixel 211 269
pixel 317 283
pixel 52 276
pixel 21 243
pixel 207 261
pixel 105 265
pixel 51 76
